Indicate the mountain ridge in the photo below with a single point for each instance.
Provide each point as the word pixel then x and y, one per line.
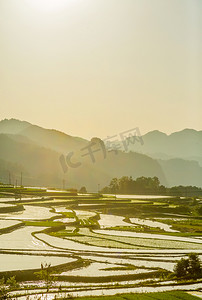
pixel 37 151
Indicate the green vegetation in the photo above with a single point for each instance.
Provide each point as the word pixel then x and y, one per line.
pixel 46 275
pixel 20 191
pixel 124 267
pixel 71 231
pixel 68 214
pixel 83 190
pixel 176 295
pixel 187 227
pixel 104 242
pixel 189 268
pixel 10 209
pixel 43 223
pixel 10 228
pixel 184 230
pixel 148 186
pixel 111 241
pixel 142 185
pixel 140 228
pixel 6 286
pixel 155 211
pixel 180 213
pixel 89 222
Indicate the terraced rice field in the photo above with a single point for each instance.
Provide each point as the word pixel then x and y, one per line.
pixel 92 251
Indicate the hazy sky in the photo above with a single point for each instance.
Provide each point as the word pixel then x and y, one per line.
pixel 100 67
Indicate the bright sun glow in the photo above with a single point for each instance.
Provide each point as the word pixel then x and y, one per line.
pixel 49 5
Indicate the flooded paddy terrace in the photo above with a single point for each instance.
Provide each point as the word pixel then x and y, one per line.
pixel 93 245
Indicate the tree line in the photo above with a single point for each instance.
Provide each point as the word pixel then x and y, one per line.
pixel 148 186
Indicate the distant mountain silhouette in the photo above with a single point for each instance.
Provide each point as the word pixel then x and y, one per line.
pixel 47 156
pixel 41 166
pixel 182 172
pixel 48 138
pixel 186 144
pixel 13 126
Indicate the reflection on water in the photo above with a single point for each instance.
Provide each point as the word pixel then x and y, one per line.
pixel 30 213
pixel 112 221
pixel 101 292
pixel 25 262
pixel 153 224
pixel 149 236
pixel 139 196
pixel 94 261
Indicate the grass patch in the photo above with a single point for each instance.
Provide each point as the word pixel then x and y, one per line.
pixel 43 223
pixel 174 295
pixel 68 214
pixel 115 278
pixel 139 228
pixel 66 233
pixel 122 268
pixel 187 226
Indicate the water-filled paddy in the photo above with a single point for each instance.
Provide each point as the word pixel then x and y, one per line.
pixel 152 223
pixel 59 209
pixel 101 253
pixel 139 196
pixel 62 243
pixel 5 205
pixel 82 214
pixel 96 269
pixel 25 262
pixel 65 220
pixel 22 239
pixel 148 236
pixel 111 221
pixel 114 291
pixel 30 213
pixel 7 223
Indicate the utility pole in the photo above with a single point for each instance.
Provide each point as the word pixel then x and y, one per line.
pixel 21 178
pixel 9 178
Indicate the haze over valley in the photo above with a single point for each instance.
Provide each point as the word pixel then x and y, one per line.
pixel 35 151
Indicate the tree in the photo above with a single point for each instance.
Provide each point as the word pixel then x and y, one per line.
pixel 181 268
pixel 3 289
pixel 199 209
pixel 195 269
pixel 124 184
pixel 7 286
pixel 12 283
pixel 114 185
pixel 83 190
pixel 46 274
pixel 189 268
